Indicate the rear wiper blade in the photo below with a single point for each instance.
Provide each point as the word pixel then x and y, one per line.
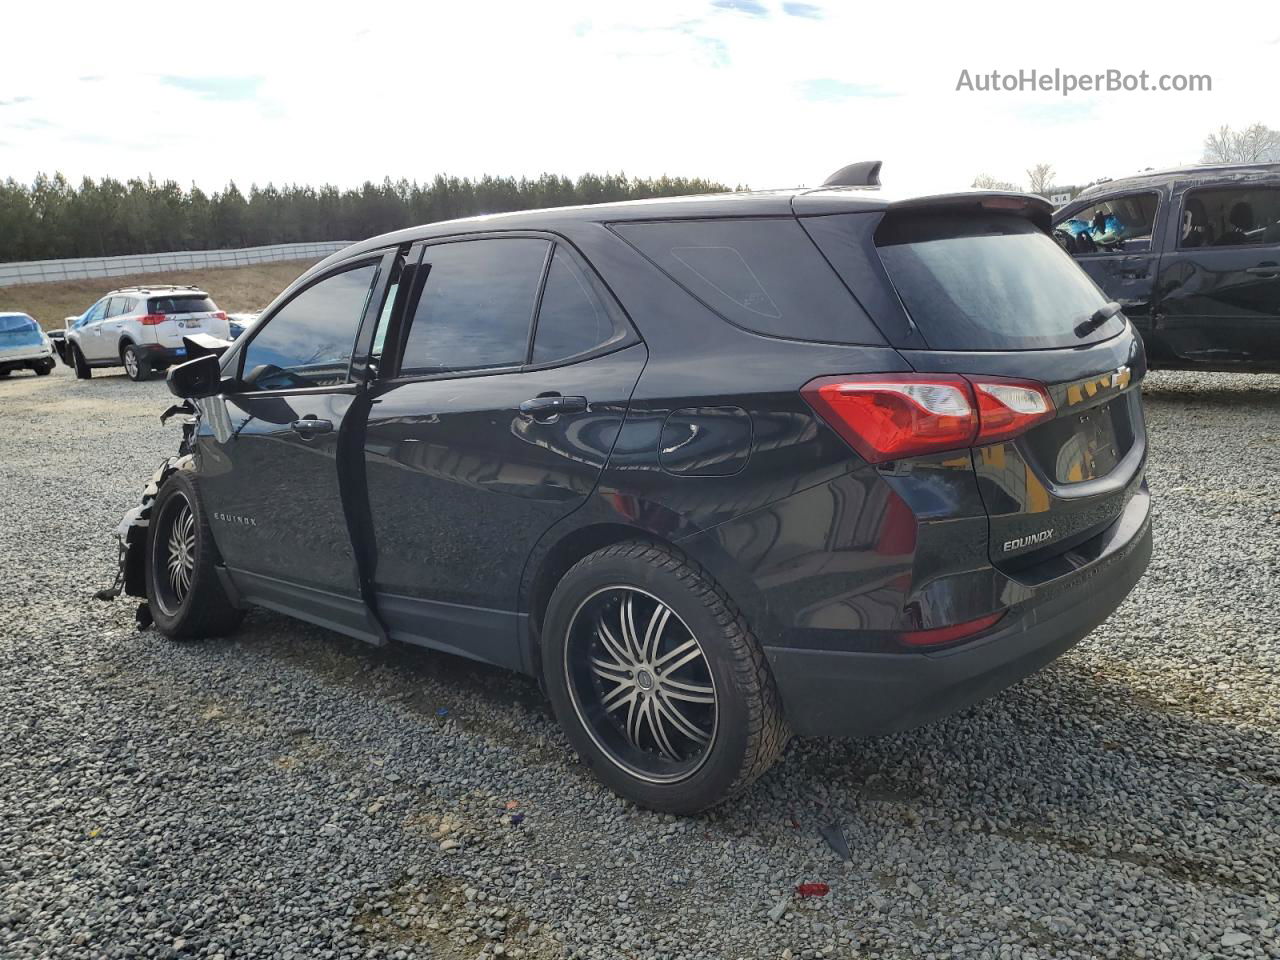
pixel 1100 316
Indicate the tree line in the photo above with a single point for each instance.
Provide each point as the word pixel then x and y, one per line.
pixel 51 219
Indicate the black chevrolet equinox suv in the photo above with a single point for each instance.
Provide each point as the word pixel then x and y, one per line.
pixel 716 469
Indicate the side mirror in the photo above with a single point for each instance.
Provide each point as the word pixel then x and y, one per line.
pixel 201 377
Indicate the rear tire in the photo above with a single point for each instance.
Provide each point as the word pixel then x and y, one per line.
pixel 135 364
pixel 43 369
pixel 183 591
pixel 83 370
pixel 658 681
pixel 5 372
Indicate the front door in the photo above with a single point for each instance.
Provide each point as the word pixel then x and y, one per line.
pixel 92 336
pixel 270 454
pixel 489 432
pixel 1220 287
pixel 1113 240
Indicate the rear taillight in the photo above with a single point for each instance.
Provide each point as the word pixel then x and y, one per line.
pixel 887 417
pixel 151 319
pixel 219 315
pixel 938 636
pixel 1007 408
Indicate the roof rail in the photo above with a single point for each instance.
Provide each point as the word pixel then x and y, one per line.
pixel 864 173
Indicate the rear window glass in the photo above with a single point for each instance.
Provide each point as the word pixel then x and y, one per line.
pixel 989 283
pixel 763 275
pixel 181 305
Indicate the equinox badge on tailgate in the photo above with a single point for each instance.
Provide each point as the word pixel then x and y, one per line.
pixel 1028 540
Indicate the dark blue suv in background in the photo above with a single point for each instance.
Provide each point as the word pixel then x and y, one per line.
pixel 1193 256
pixel 717 469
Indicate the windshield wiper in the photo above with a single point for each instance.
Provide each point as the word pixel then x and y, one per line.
pixel 1100 316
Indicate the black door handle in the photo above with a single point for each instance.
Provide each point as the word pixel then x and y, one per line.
pixel 550 406
pixel 309 428
pixel 1265 269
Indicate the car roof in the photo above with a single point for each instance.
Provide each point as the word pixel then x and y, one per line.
pixel 163 289
pixel 754 203
pixel 16 313
pixel 1223 172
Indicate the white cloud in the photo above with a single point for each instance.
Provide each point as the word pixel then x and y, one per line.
pixel 346 94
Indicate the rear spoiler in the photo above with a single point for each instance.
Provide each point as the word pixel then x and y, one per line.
pixel 1029 205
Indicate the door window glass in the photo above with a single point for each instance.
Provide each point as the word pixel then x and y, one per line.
pixel 308 342
pixel 94 314
pixel 116 307
pixel 1118 225
pixel 573 317
pixel 1239 216
pixel 476 306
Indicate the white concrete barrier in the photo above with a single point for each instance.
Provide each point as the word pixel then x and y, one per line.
pixel 49 271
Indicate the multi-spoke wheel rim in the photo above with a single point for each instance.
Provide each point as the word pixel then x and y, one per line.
pixel 641 684
pixel 131 363
pixel 173 561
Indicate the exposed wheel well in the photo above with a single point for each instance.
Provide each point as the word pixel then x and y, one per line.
pixel 572 548
pixel 124 342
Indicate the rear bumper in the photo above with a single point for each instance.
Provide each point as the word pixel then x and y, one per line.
pixel 155 353
pixel 858 694
pixel 26 357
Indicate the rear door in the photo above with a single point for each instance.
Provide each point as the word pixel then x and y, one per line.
pixel 271 453
pixel 484 431
pixel 1220 285
pixel 991 294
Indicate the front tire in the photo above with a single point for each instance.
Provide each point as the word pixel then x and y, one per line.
pixel 658 681
pixel 83 370
pixel 185 596
pixel 135 365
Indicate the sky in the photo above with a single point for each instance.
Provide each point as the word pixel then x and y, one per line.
pixel 759 92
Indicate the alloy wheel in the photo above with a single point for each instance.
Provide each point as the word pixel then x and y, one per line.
pixel 641 684
pixel 174 558
pixel 131 362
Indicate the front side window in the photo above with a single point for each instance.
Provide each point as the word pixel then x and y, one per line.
pixel 308 342
pixel 1118 225
pixel 476 306
pixel 94 313
pixel 1235 217
pixel 573 317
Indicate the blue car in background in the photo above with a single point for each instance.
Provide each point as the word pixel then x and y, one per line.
pixel 23 345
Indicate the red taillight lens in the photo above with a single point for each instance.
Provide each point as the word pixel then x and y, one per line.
pixel 950 634
pixel 1007 408
pixel 890 416
pixel 220 315
pixel 893 416
pixel 151 319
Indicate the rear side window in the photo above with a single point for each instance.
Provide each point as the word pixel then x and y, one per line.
pixel 573 318
pixel 180 305
pixel 1234 217
pixel 763 275
pixel 476 309
pixel 988 283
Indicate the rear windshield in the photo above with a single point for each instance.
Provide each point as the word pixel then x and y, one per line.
pixel 764 275
pixel 17 324
pixel 989 283
pixel 180 305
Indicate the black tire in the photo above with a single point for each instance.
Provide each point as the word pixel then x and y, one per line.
pixel 742 721
pixel 83 370
pixel 194 606
pixel 5 372
pixel 135 363
pixel 43 369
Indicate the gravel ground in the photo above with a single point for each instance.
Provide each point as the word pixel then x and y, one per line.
pixel 290 793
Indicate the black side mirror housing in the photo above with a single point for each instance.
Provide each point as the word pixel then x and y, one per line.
pixel 201 377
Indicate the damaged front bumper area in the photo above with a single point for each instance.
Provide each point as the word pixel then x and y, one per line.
pixel 131 534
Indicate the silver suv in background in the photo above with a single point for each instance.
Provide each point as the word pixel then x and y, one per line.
pixel 140 329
